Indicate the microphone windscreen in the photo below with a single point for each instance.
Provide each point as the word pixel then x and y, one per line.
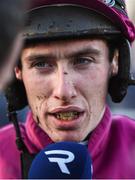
pixel 63 160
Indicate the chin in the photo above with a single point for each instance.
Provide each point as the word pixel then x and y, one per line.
pixel 67 137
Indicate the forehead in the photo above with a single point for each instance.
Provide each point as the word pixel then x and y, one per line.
pixel 66 46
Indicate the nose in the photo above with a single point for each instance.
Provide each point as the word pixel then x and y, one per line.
pixel 65 87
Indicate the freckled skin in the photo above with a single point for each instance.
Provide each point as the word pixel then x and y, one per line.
pixel 70 73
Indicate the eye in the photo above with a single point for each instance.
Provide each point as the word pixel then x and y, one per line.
pixel 81 61
pixel 43 65
pixel 41 62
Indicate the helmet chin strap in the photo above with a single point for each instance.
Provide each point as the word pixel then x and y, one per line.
pixel 25 157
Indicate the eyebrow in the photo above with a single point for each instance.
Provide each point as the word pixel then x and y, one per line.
pixel 77 53
pixel 34 56
pixel 84 51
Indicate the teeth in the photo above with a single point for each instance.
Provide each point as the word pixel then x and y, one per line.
pixel 67 115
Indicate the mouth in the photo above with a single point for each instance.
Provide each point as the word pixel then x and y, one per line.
pixel 67 116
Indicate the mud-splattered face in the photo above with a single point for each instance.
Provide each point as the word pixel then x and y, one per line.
pixel 66 84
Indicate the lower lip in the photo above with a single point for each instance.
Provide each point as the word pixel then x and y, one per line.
pixel 69 124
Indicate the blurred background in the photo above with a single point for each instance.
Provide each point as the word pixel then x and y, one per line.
pixel 126 107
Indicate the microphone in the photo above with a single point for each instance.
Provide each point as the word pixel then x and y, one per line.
pixel 63 160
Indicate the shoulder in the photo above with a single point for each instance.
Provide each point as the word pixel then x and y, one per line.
pixel 9 154
pixel 123 120
pixel 8 135
pixel 123 125
pixel 7 132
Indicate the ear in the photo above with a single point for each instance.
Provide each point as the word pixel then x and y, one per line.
pixel 115 63
pixel 18 73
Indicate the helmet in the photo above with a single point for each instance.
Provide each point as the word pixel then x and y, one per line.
pixel 52 19
pixel 114 10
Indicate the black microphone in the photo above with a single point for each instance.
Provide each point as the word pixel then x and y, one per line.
pixel 63 160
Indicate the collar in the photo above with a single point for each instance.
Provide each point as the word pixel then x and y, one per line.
pixel 97 138
pixel 39 139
